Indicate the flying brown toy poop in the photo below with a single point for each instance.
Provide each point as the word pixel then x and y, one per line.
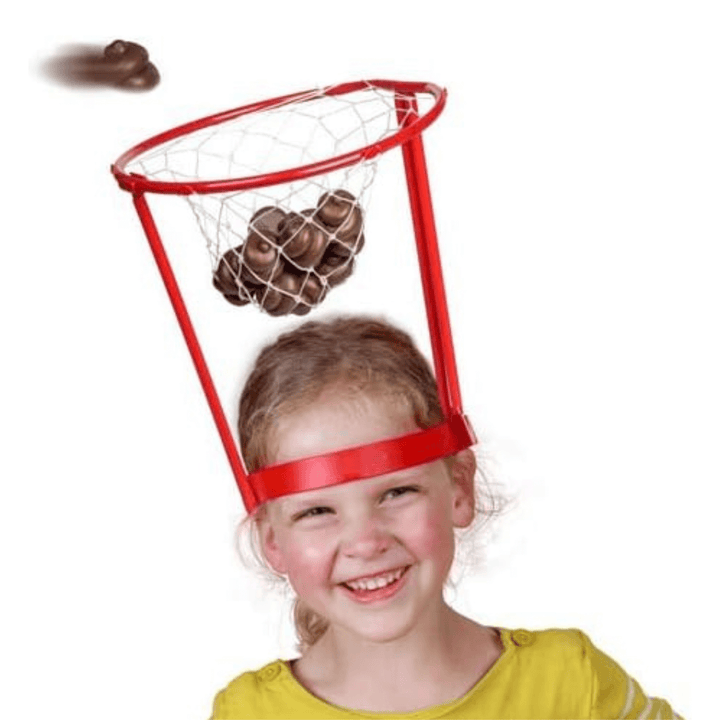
pixel 290 260
pixel 132 64
pixel 122 64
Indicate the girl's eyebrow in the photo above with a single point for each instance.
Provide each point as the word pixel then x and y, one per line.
pixel 406 476
pixel 294 506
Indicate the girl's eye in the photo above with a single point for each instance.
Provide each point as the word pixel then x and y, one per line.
pixel 312 512
pixel 398 491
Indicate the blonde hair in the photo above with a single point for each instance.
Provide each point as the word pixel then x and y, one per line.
pixel 348 353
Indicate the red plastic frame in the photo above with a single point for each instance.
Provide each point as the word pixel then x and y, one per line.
pixel 377 458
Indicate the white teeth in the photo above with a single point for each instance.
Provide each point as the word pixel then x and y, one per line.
pixel 376 582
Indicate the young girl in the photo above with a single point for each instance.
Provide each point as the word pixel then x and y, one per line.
pixel 368 559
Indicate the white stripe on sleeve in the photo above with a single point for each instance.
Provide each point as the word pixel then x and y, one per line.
pixel 645 714
pixel 629 699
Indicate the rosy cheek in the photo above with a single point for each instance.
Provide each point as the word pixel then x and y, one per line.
pixel 429 533
pixel 309 565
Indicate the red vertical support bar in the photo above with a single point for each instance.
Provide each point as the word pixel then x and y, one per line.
pixel 188 331
pixel 429 258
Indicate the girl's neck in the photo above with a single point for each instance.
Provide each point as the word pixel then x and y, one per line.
pixel 440 660
pixel 430 639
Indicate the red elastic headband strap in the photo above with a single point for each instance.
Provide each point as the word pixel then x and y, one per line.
pixel 364 461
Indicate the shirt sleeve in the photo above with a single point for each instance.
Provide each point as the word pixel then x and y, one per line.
pixel 617 696
pixel 238 701
pixel 219 711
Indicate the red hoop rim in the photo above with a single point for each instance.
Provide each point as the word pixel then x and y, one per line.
pixel 135 183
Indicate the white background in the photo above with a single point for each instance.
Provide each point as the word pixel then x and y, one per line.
pixel 575 174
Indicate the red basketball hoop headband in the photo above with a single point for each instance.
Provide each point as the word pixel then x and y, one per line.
pixel 246 173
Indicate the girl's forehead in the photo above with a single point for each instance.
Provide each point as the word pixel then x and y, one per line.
pixel 337 421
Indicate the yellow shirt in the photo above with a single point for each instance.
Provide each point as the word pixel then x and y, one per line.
pixel 546 674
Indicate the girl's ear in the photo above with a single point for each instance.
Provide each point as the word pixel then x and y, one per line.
pixel 462 472
pixel 269 545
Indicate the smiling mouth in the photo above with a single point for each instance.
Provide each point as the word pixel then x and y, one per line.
pixel 378 582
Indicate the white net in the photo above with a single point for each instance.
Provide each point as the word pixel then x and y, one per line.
pixel 281 247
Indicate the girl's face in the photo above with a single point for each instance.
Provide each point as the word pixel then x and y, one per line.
pixel 370 556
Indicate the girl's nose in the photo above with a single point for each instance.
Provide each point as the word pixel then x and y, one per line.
pixel 366 538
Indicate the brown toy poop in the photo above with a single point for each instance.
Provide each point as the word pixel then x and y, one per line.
pixel 121 64
pixel 334 207
pixel 290 260
pixel 131 66
pixel 227 278
pixel 261 258
pixel 266 222
pixel 304 239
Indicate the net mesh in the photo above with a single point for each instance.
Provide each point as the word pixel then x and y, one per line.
pixel 281 247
